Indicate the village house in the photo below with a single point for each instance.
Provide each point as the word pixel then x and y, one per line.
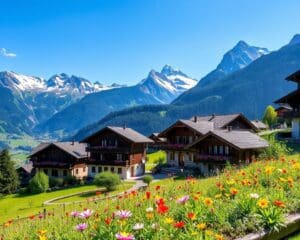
pixel 290 106
pixel 61 159
pixel 25 173
pixel 208 141
pixel 121 150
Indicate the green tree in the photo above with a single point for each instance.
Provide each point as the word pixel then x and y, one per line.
pixel 270 116
pixel 108 180
pixel 39 183
pixel 9 179
pixel 147 179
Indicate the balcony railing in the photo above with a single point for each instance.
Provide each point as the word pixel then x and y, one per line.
pixel 173 146
pixel 108 149
pixel 291 114
pixel 208 157
pixel 114 162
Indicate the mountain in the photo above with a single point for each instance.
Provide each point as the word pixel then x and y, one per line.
pixel 28 100
pixel 157 88
pixel 240 56
pixel 295 39
pixel 248 90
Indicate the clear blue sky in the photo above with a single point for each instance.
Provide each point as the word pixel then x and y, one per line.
pixel 122 40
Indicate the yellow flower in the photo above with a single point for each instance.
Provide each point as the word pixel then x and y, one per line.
pixel 42 237
pixel 263 203
pixel 219 237
pixel 269 170
pixel 230 182
pixel 296 166
pixel 149 215
pixel 169 220
pixel 42 232
pixel 217 196
pixel 233 191
pixel 208 201
pixel 201 226
pixel 209 232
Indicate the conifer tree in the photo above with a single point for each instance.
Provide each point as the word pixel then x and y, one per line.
pixel 9 180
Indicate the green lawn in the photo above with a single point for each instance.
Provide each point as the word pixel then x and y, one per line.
pixel 154 158
pixel 14 205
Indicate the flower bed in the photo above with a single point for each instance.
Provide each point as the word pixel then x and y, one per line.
pixel 234 204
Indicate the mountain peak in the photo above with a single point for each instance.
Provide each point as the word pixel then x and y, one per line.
pixel 241 44
pixel 295 40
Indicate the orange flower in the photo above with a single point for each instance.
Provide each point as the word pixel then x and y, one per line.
pixel 208 201
pixel 107 221
pixel 179 224
pixel 233 191
pixel 219 237
pixel 148 195
pixel 191 216
pixel 263 203
pixel 279 204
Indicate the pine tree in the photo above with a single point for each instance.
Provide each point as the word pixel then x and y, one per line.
pixel 9 180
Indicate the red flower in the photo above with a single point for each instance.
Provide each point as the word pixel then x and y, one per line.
pixel 179 224
pixel 148 195
pixel 162 209
pixel 98 193
pixel 31 217
pixel 157 187
pixel 191 216
pixel 279 204
pixel 108 221
pixel 160 201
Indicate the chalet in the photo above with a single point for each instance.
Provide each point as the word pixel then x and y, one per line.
pixel 117 149
pixel 25 173
pixel 292 100
pixel 282 110
pixel 259 125
pixel 156 139
pixel 60 159
pixel 217 147
pixel 183 134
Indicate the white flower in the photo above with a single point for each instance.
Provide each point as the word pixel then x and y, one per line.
pixel 149 209
pixel 254 195
pixel 138 226
pixel 155 226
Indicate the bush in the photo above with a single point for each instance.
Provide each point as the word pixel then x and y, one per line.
pixel 70 180
pixel 55 182
pixel 39 183
pixel 108 180
pixel 147 179
pixel 275 150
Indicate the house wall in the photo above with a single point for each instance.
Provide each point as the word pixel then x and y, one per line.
pixel 79 171
pixel 296 128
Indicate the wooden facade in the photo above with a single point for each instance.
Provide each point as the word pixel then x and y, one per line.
pixel 111 151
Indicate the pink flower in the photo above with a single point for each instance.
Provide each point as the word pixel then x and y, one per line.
pixel 74 214
pixel 124 236
pixel 123 214
pixel 86 214
pixel 81 227
pixel 183 199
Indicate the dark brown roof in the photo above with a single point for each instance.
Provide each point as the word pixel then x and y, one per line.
pixel 291 97
pixel 221 121
pixel 295 77
pixel 128 133
pixel 200 127
pixel 259 124
pixel 238 139
pixel 284 106
pixel 26 167
pixel 76 149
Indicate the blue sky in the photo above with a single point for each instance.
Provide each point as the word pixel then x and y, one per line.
pixel 122 40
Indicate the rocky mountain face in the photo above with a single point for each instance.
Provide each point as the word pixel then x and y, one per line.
pixel 157 88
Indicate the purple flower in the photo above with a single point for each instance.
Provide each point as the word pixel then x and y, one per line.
pixel 74 214
pixel 86 214
pixel 124 236
pixel 123 214
pixel 81 227
pixel 183 199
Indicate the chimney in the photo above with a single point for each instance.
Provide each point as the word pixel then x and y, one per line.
pixel 73 142
pixel 229 128
pixel 195 119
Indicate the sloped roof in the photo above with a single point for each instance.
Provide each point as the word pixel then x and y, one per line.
pixel 259 124
pixel 238 139
pixel 295 77
pixel 128 133
pixel 27 167
pixel 221 121
pixel 201 127
pixel 291 97
pixel 76 149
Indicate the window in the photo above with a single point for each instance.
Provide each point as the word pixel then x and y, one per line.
pixel 83 169
pixel 54 173
pixel 112 169
pixel 99 169
pixel 226 150
pixel 209 150
pixel 190 139
pixel 119 157
pixel 172 156
pixel 215 150
pixel 221 150
pixel 65 173
pixel 76 171
pixel 105 169
pixel 93 169
pixel 119 170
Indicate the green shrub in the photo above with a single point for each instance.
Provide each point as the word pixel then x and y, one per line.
pixel 108 180
pixel 55 182
pixel 39 183
pixel 147 179
pixel 70 180
pixel 275 150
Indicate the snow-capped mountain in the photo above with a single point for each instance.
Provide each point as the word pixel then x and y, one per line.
pixel 240 56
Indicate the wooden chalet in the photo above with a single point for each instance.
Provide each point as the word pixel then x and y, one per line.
pixel 25 173
pixel 217 147
pixel 259 125
pixel 117 149
pixel 292 101
pixel 184 133
pixel 60 159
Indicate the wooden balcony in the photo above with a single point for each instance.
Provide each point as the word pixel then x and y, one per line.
pixel 291 114
pixel 114 162
pixel 108 149
pixel 173 146
pixel 212 158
